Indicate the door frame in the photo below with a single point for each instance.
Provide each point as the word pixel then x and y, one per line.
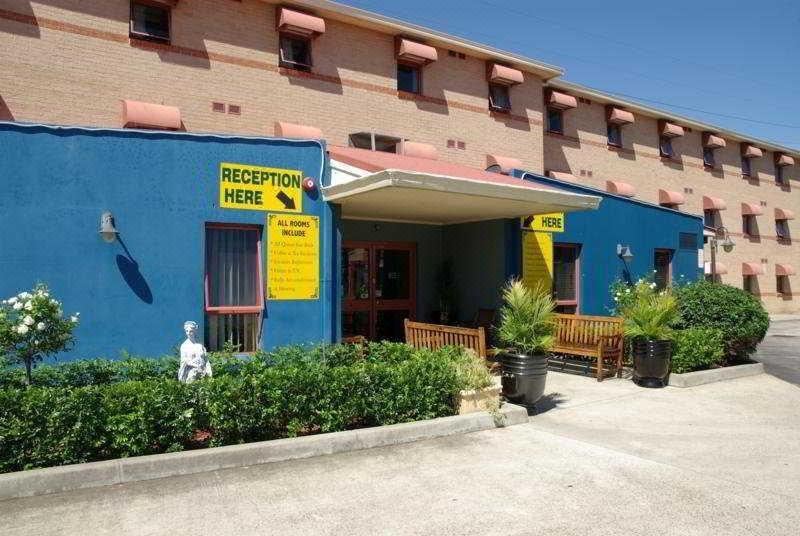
pixel 374 304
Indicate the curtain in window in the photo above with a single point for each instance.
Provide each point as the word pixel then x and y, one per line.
pixel 232 267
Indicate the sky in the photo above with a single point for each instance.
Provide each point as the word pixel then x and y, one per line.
pixel 734 63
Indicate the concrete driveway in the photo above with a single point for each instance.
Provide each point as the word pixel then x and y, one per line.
pixel 780 350
pixel 605 458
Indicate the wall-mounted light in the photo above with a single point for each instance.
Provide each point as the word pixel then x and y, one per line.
pixel 624 252
pixel 107 228
pixel 309 185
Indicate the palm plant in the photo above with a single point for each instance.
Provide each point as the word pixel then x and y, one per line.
pixel 651 314
pixel 526 318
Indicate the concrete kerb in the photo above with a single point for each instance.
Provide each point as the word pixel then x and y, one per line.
pixel 701 377
pixel 106 473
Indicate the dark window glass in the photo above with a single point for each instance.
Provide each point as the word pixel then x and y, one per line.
pixel 614 134
pixel 749 225
pixel 708 157
pixel 665 146
pixel 499 97
pixel 782 284
pixel 392 274
pixel 408 78
pixel 375 142
pixel 150 21
pixel 295 52
pixel 746 169
pixel 782 229
pixel 555 120
pixel 710 218
pixel 565 273
pixel 662 261
pixel 749 284
pixel 779 174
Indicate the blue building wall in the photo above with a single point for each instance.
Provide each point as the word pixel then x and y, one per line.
pixel 162 188
pixel 643 227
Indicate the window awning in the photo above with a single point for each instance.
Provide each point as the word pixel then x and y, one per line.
pixel 752 268
pixel 667 197
pixel 416 53
pixel 300 23
pixel 562 176
pixel 390 187
pixel 751 209
pixel 784 269
pixel 784 214
pixel 618 116
pixel 506 76
pixel 505 164
pixel 292 130
pixel 670 130
pixel 560 101
pixel 713 203
pixel 719 268
pixel 420 150
pixel 137 114
pixel 712 141
pixel 751 151
pixel 782 159
pixel 620 188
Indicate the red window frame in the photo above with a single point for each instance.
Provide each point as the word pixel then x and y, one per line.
pixel 577 301
pixel 237 309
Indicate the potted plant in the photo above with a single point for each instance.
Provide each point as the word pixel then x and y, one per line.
pixel 526 328
pixel 648 320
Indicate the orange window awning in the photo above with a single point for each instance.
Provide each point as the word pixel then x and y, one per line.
pixel 620 188
pixel 504 75
pixel 137 114
pixel 782 159
pixel 505 164
pixel 618 116
pixel 667 197
pixel 751 151
pixel 712 141
pixel 561 101
pixel 300 23
pixel 420 150
pixel 561 176
pixel 416 52
pixel 784 214
pixel 670 130
pixel 293 130
pixel 752 268
pixel 713 203
pixel 751 209
pixel 784 269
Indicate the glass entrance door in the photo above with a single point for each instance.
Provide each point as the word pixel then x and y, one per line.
pixel 378 289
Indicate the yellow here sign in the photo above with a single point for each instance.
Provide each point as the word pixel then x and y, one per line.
pixel 549 223
pixel 292 257
pixel 260 188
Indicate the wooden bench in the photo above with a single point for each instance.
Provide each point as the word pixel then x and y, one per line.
pixel 434 336
pixel 598 337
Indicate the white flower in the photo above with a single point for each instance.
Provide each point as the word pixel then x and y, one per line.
pixel 74 319
pixel 24 295
pixel 28 306
pixel 18 306
pixel 652 285
pixel 59 312
pixel 22 330
pixel 28 320
pixel 12 300
pixel 40 326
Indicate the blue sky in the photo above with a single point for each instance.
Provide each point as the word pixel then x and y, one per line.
pixel 721 57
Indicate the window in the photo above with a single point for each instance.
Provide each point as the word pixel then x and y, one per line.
pixel 749 225
pixel 409 78
pixel 782 285
pixel 710 218
pixel 779 174
pixel 746 168
pixel 555 121
pixel 149 21
pixel 614 134
pixel 665 147
pixel 662 264
pixel 234 295
pixel 565 277
pixel 375 142
pixel 295 52
pixel 782 229
pixel 708 157
pixel 750 284
pixel 499 98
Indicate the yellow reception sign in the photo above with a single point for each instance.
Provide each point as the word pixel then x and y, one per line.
pixel 260 188
pixel 537 259
pixel 549 223
pixel 292 257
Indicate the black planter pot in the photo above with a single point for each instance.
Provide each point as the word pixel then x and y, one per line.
pixel 651 360
pixel 523 377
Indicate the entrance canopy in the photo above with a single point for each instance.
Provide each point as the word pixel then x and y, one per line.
pixel 390 187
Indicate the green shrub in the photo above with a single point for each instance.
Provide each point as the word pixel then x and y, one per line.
pixel 647 312
pixel 697 349
pixel 739 315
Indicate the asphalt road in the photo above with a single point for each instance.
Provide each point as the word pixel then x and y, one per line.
pixel 600 459
pixel 780 350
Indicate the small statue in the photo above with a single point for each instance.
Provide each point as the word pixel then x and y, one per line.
pixel 194 359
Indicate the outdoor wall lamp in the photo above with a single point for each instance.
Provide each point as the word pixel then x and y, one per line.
pixel 309 185
pixel 107 229
pixel 624 252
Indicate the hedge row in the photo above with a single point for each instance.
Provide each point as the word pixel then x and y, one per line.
pixel 285 394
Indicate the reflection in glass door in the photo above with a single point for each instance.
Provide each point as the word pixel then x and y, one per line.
pixel 378 289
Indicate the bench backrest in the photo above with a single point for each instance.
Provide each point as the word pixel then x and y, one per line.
pixel 434 336
pixel 579 329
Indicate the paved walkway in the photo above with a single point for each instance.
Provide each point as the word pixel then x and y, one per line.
pixel 780 350
pixel 601 459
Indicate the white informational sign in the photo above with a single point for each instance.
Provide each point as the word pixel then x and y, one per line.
pixel 701 261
